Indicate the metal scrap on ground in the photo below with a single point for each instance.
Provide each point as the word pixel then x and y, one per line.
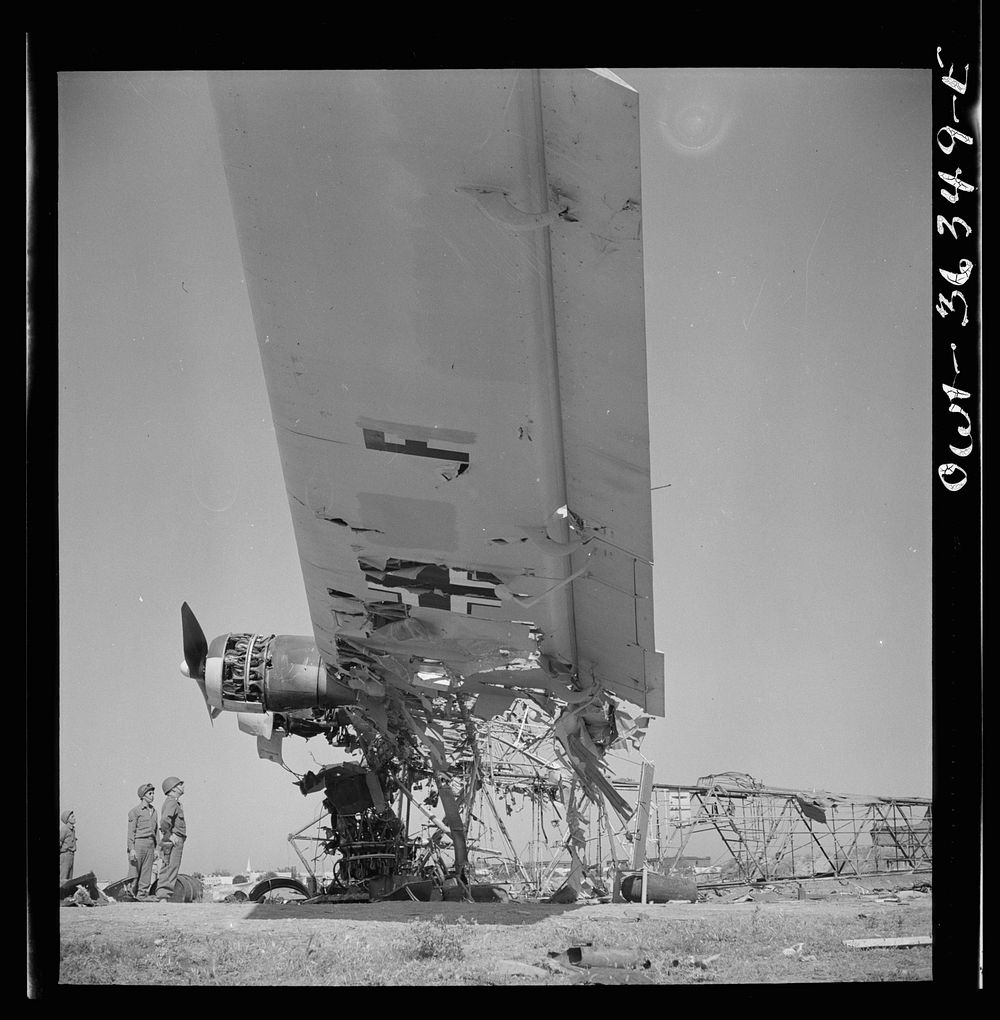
pixel 903 942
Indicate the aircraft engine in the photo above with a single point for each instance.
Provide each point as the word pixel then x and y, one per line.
pixel 258 672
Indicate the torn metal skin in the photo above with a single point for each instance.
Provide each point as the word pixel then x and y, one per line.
pixel 406 734
pixel 412 689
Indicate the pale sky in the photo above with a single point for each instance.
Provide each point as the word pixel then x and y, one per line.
pixel 787 231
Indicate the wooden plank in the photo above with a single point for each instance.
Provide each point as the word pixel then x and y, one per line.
pixel 904 942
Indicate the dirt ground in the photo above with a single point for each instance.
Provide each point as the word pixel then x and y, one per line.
pixel 769 939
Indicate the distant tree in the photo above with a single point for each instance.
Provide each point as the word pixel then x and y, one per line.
pixel 240 879
pixel 269 874
pixel 197 874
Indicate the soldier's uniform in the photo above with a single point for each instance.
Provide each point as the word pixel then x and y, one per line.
pixel 67 847
pixel 143 836
pixel 172 824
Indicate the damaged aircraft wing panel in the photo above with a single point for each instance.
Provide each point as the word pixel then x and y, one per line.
pixel 445 274
pixel 599 311
pixel 591 130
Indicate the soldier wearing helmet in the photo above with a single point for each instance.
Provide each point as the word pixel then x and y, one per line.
pixel 173 832
pixel 143 837
pixel 67 845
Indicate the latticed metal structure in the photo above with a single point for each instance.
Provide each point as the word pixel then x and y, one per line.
pixel 529 814
pixel 774 834
pixel 529 821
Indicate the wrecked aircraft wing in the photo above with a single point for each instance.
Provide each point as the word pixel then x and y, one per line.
pixel 445 272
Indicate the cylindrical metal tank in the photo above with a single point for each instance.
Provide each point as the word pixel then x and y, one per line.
pixel 659 888
pixel 187 890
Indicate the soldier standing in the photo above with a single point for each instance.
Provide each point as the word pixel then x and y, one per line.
pixel 143 837
pixel 173 832
pixel 67 845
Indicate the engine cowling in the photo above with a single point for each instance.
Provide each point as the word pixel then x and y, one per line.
pixel 259 673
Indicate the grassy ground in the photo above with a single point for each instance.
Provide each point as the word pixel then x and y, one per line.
pixel 463 944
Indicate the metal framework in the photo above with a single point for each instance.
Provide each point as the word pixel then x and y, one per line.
pixel 772 834
pixel 525 808
pixel 529 823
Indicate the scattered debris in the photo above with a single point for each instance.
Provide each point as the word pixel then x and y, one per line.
pixel 701 962
pixel 904 942
pixel 587 956
pixel 83 883
pixel 122 890
pixel 480 892
pixel 564 894
pixel 766 895
pixel 81 898
pixel 187 889
pixel 613 976
pixel 559 966
pixel 795 952
pixel 518 967
pixel 263 890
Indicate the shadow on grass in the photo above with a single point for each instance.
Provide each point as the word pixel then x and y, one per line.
pixel 403 912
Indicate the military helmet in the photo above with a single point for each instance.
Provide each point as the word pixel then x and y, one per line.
pixel 169 783
pixel 143 787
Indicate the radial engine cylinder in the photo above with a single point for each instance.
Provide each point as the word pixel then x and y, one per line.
pixel 268 673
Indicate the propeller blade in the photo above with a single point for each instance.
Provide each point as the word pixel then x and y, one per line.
pixel 213 713
pixel 195 656
pixel 195 645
